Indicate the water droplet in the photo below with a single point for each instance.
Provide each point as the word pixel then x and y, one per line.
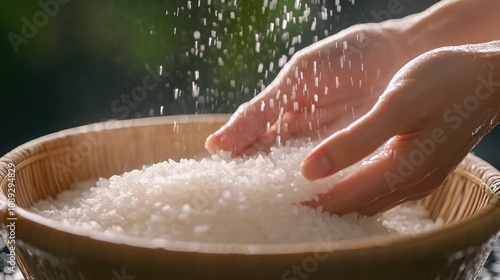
pixel 195 90
pixel 282 61
pixel 197 35
pixel 260 68
pixel 313 25
pixel 297 4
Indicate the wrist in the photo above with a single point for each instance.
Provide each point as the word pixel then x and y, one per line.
pixel 452 23
pixel 487 55
pixel 496 78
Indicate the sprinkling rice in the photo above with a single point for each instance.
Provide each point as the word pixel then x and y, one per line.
pixel 243 200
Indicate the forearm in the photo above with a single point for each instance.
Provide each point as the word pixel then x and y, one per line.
pixel 495 65
pixel 487 55
pixel 453 22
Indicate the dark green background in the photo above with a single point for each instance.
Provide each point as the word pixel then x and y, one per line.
pixel 89 54
pixel 78 65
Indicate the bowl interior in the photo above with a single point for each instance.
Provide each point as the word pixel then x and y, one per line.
pixel 48 165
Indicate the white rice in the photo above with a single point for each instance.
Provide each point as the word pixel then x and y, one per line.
pixel 243 200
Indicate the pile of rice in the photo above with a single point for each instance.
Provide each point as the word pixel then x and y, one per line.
pixel 216 199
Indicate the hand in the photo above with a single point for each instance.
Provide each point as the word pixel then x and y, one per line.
pixel 324 88
pixel 433 112
pixel 295 105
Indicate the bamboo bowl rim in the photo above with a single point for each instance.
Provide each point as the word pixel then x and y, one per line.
pixel 489 215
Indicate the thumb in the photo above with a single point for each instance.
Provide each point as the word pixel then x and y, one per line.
pixel 249 122
pixel 355 142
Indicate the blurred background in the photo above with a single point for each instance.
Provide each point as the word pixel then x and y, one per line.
pixel 66 63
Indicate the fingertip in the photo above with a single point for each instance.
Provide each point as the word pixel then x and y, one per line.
pixel 210 144
pixel 326 202
pixel 228 138
pixel 313 203
pixel 219 141
pixel 316 166
pixel 349 145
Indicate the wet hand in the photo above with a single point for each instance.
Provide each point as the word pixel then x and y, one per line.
pixel 433 112
pixel 323 88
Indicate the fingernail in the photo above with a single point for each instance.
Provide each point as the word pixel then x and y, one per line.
pixel 209 145
pixel 316 167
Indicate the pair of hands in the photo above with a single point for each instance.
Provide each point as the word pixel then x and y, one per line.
pixel 362 89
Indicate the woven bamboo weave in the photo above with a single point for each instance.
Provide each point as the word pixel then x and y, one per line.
pixel 466 202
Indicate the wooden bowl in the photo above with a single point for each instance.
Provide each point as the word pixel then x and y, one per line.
pixel 45 249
